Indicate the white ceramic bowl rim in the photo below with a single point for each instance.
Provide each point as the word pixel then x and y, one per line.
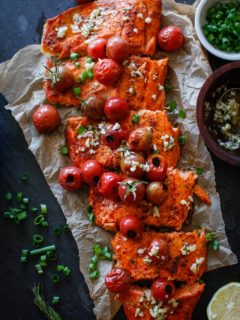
pixel 198 26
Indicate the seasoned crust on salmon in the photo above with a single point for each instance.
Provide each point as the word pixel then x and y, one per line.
pixel 138 303
pixel 135 20
pixel 171 213
pixel 139 75
pixel 185 259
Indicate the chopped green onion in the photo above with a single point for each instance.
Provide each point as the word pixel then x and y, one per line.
pixel 215 245
pixel 46 249
pixel 182 139
pixel 22 206
pixel 66 271
pixel 77 65
pixel 97 250
pixel 34 210
pixel 52 256
pixel 19 197
pixel 199 171
pixel 94 259
pixel 66 228
pixel 8 196
pixel 44 224
pixel 209 236
pixel 181 113
pixel 24 255
pixel 89 60
pixel 24 177
pixel 7 214
pixel 171 106
pixel 39 219
pixel 81 130
pixel 108 256
pixel 94 275
pixel 64 151
pixel 39 269
pixel 60 267
pixel 55 278
pixel 57 231
pixel 92 266
pixel 38 238
pixel 25 200
pixel 91 216
pixel 74 56
pixel 20 216
pixel 135 119
pixel 43 208
pixel 168 87
pixel 55 300
pixel 43 258
pixel 76 91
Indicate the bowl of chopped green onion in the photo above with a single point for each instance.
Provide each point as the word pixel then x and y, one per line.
pixel 217 25
pixel 218 113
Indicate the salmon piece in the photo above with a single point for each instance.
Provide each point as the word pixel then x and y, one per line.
pixel 165 136
pixel 87 145
pixel 71 31
pixel 185 261
pixel 138 76
pixel 138 303
pixel 201 195
pixel 171 213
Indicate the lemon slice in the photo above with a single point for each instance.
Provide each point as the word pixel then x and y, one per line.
pixel 225 303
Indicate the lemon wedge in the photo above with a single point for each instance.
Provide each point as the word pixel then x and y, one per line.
pixel 225 303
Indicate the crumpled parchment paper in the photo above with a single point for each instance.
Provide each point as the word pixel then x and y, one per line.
pixel 21 84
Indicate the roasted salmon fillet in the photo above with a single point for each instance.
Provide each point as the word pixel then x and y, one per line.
pixel 138 303
pixel 185 259
pixel 139 75
pixel 71 31
pixel 171 213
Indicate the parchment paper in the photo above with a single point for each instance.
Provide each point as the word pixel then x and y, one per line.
pixel 21 84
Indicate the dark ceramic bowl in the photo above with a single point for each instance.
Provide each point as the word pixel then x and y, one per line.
pixel 228 75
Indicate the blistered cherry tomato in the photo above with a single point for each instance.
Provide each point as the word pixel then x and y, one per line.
pixel 45 118
pixel 118 49
pixel 97 48
pixel 108 185
pixel 70 178
pixel 93 107
pixel 91 172
pixel 131 227
pixel 158 249
pixel 162 290
pixel 61 77
pixel 132 165
pixel 118 280
pixel 155 192
pixel 170 38
pixel 131 190
pixel 107 71
pixel 113 138
pixel 158 167
pixel 116 109
pixel 140 139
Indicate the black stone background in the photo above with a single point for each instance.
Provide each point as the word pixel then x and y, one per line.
pixel 21 23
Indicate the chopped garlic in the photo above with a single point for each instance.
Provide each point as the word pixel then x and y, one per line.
pixel 141 251
pixel 135 30
pixel 61 31
pixel 154 97
pixel 148 20
pixel 195 266
pixel 188 248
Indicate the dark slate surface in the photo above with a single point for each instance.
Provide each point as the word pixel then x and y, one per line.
pixel 21 24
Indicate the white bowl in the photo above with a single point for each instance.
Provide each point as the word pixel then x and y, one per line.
pixel 200 18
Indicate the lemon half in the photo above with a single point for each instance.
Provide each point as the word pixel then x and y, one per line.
pixel 225 303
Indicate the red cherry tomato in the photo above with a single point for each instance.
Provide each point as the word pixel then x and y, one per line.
pixel 108 185
pixel 131 227
pixel 170 38
pixel 70 178
pixel 156 193
pixel 113 138
pixel 162 290
pixel 118 280
pixel 93 107
pixel 97 48
pixel 158 168
pixel 116 109
pixel 61 77
pixel 107 71
pixel 132 165
pixel 140 139
pixel 158 249
pixel 91 172
pixel 45 118
pixel 131 190
pixel 118 49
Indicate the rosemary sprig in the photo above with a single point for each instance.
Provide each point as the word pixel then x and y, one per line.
pixel 43 306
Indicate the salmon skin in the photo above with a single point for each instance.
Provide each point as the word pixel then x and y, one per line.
pixel 171 213
pixel 185 259
pixel 138 21
pixel 138 76
pixel 138 303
